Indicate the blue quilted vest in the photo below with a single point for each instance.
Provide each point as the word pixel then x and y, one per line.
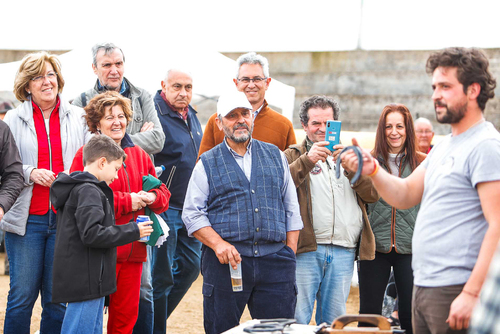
pixel 249 215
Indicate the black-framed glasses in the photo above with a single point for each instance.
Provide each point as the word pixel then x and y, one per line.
pixel 40 78
pixel 256 80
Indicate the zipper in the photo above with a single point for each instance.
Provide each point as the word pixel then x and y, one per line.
pixel 50 146
pixel 102 274
pixel 393 218
pixel 196 149
pixel 333 195
pixel 133 213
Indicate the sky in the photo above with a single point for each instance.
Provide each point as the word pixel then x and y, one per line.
pixel 260 25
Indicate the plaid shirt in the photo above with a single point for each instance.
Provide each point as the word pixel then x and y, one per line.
pixel 486 316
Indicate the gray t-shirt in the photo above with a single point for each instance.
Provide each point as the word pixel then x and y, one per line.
pixel 450 226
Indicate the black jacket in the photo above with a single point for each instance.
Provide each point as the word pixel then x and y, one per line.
pixel 182 143
pixel 86 239
pixel 11 169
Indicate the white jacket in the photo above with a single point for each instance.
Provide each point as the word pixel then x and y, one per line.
pixel 74 134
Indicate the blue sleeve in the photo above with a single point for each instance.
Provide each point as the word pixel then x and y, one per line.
pixel 194 212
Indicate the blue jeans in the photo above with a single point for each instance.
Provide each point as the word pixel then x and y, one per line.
pixel 325 276
pixel 144 323
pixel 176 265
pixel 268 289
pixel 31 257
pixel 84 317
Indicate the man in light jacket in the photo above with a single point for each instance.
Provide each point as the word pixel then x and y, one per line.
pixel 334 217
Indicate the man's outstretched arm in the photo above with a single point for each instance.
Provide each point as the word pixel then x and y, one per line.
pixel 399 193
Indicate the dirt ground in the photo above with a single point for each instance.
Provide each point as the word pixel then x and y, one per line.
pixel 187 317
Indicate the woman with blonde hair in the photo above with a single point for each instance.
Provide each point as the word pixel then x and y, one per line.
pixel 48 131
pixel 395 150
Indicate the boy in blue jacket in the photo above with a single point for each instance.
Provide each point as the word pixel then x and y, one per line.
pixel 84 270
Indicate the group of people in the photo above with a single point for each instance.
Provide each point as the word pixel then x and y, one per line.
pixel 243 193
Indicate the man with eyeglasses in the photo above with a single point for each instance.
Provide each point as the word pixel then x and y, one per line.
pixel 145 130
pixel 423 130
pixel 252 78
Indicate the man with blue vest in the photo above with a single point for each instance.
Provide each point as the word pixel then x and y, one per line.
pixel 242 205
pixel 176 264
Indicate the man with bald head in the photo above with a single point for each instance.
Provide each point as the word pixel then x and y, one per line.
pixel 176 264
pixel 424 132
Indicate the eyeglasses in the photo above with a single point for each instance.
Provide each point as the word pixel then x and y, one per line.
pixel 256 80
pixel 51 76
pixel 425 132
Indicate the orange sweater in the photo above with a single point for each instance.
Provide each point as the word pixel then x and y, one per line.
pixel 269 126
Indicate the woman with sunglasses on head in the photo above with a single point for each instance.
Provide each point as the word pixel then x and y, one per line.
pixel 48 133
pixel 395 150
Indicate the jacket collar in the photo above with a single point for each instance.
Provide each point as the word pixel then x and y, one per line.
pixel 133 90
pixel 26 112
pixel 164 109
pixel 263 108
pixel 126 142
pixel 302 147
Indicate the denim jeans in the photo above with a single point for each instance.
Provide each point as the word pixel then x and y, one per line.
pixel 84 317
pixel 175 266
pixel 31 257
pixel 325 276
pixel 269 289
pixel 144 324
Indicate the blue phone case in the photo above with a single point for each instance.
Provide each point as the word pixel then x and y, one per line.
pixel 333 133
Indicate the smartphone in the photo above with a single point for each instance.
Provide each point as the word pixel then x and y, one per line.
pixel 332 133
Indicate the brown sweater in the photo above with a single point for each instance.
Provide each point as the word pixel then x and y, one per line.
pixel 300 167
pixel 269 126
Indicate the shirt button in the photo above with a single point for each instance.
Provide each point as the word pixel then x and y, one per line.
pixel 257 229
pixel 255 252
pixel 253 191
pixel 256 210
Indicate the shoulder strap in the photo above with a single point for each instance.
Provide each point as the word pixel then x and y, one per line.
pixel 84 99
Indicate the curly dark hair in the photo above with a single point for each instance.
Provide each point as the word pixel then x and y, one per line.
pixel 472 67
pixel 318 101
pixel 96 108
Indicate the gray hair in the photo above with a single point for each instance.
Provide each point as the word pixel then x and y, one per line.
pixel 423 120
pixel 253 58
pixel 108 49
pixel 318 101
pixel 177 69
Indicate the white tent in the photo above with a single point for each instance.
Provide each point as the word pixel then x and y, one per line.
pixel 212 72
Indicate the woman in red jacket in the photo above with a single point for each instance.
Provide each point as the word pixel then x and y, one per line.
pixel 109 114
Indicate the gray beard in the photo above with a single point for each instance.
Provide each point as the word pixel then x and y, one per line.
pixel 235 139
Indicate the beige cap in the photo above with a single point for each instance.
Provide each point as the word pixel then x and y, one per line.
pixel 230 101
